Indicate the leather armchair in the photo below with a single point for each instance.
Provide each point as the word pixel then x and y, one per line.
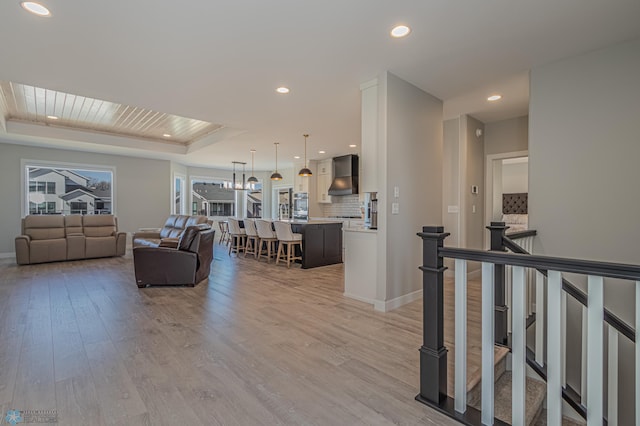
pixel 188 264
pixel 169 234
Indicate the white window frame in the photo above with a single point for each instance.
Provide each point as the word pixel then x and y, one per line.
pixel 185 197
pixel 24 178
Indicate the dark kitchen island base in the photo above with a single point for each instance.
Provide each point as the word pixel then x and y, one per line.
pixel 321 243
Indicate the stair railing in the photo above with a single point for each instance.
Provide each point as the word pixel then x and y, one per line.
pixel 522 242
pixel 433 353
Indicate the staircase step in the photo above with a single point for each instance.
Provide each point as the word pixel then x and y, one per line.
pixel 535 397
pixel 542 420
pixel 474 389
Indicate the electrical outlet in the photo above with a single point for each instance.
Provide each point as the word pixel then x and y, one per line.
pixel 396 192
pixel 395 208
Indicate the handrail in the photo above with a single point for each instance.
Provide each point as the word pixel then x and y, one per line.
pixel 578 266
pixel 522 234
pixel 609 317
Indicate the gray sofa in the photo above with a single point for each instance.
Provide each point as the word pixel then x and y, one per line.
pixel 169 234
pixel 51 238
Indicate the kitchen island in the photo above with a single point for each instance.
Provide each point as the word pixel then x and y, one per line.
pixel 321 242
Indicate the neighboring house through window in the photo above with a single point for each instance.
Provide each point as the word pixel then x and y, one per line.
pixel 56 189
pixel 211 198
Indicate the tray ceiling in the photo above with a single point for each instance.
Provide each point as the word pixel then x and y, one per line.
pixel 50 107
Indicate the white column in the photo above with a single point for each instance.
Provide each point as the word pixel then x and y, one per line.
pixel 612 382
pixel 487 343
pixel 519 358
pixel 540 320
pixel 461 336
pixel 595 352
pixel 554 353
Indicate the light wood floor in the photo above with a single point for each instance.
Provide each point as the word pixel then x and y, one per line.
pixel 256 345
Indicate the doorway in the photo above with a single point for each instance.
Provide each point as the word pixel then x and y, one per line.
pixel 282 207
pixel 505 173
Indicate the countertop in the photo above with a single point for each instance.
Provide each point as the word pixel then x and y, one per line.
pixel 360 229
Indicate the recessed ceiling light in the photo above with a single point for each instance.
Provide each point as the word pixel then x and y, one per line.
pixel 297 157
pixel 35 8
pixel 400 31
pixel 321 152
pixel 352 145
pixel 52 117
pixel 166 135
pixel 283 90
pixel 494 98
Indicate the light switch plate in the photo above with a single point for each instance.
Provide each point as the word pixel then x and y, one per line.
pixel 395 208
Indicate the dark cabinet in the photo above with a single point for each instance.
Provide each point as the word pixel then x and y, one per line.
pixel 321 243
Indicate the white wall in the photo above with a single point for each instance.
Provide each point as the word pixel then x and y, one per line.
pixel 142 187
pixel 414 165
pixel 583 169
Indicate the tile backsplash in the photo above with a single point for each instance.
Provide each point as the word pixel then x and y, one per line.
pixel 345 205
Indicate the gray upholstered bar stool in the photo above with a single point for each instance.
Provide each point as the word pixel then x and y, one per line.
pixel 237 236
pixel 268 237
pixel 253 240
pixel 286 237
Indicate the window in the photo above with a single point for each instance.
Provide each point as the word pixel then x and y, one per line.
pixel 210 197
pixel 42 208
pixel 78 207
pixel 254 201
pixel 42 187
pixel 56 189
pixel 179 199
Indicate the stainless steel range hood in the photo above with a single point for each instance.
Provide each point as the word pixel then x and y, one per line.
pixel 345 175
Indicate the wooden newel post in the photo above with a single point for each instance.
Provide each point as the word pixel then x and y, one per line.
pixel 433 354
pixel 498 230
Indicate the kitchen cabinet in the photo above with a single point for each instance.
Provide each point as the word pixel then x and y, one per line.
pixel 300 183
pixel 321 243
pixel 325 177
pixel 360 260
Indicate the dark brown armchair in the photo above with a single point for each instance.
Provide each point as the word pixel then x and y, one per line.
pixel 188 264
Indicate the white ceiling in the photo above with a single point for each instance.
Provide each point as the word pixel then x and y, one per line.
pixel 220 61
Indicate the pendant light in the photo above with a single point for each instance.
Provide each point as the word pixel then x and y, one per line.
pixel 305 170
pixel 252 179
pixel 238 185
pixel 276 175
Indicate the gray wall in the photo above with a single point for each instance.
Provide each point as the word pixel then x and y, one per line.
pixel 473 147
pixel 506 136
pixel 142 187
pixel 414 165
pixel 451 183
pixel 583 169
pixel 515 178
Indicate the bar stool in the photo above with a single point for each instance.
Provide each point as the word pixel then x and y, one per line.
pixel 224 232
pixel 237 236
pixel 251 247
pixel 268 237
pixel 288 238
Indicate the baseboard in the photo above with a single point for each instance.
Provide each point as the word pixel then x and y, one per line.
pixel 389 305
pixel 8 255
pixel 359 298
